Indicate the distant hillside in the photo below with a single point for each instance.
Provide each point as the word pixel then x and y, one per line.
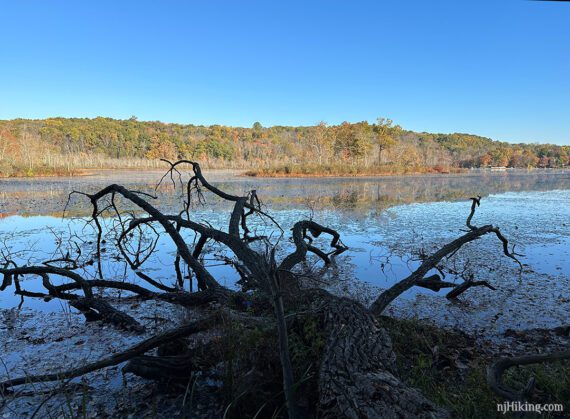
pixel 59 145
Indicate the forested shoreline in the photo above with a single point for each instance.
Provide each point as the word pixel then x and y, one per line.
pixel 70 145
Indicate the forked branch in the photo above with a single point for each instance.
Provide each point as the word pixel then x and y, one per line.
pixel 433 261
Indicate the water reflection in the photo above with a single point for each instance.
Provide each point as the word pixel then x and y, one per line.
pixel 371 219
pixel 48 196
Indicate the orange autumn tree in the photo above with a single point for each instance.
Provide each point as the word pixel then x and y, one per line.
pixel 161 148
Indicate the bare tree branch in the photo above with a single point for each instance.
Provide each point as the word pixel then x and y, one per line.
pixel 497 369
pixel 433 261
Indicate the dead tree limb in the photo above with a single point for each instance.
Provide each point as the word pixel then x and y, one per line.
pixel 253 204
pixel 300 230
pixel 496 370
pixel 460 289
pixel 170 229
pixel 433 261
pixel 97 309
pixel 118 358
pixel 434 283
pixel 284 355
pixel 176 367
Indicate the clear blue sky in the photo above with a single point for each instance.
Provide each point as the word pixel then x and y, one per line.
pixel 499 68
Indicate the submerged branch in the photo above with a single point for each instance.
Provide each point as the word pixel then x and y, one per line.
pixel 433 261
pixel 115 359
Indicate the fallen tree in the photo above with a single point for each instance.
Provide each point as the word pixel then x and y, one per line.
pixel 356 375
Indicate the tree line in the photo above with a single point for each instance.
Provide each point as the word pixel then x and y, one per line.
pixel 57 144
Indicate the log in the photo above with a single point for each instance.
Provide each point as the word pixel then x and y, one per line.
pixel 117 358
pixel 497 369
pixel 460 289
pixel 97 309
pixel 357 376
pixel 178 367
pixel 162 368
pixel 434 283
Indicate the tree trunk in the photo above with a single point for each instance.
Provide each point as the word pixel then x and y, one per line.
pixel 357 377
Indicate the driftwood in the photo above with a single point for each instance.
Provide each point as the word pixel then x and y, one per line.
pixel 97 309
pixel 115 359
pixel 431 262
pixel 357 374
pixel 497 369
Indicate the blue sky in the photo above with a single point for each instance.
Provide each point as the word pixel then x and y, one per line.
pixel 499 68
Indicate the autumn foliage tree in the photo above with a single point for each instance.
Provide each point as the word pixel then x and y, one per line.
pixel 161 148
pixel 97 142
pixel 386 134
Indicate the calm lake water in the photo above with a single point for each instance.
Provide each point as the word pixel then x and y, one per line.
pixel 384 221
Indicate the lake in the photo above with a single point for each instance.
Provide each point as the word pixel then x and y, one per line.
pixel 386 222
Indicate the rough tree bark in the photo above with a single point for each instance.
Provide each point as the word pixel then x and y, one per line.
pixel 357 376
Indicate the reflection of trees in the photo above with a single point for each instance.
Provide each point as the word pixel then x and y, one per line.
pixel 42 197
pixel 345 199
pixel 381 193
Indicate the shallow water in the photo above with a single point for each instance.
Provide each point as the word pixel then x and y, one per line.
pixel 382 220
